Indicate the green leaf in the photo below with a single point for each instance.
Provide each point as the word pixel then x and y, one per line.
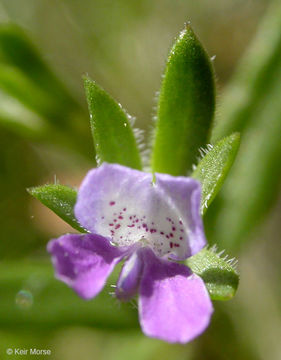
pixel 220 277
pixel 112 133
pixel 60 199
pixel 185 108
pixel 214 167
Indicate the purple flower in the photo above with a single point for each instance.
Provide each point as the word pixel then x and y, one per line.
pixel 150 223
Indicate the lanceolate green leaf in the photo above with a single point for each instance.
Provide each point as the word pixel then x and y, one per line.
pixel 60 199
pixel 186 106
pixel 214 167
pixel 220 277
pixel 113 136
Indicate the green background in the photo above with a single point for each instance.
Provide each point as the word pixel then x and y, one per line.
pixel 123 44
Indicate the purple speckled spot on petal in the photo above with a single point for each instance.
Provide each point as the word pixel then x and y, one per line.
pixel 170 208
pixel 186 195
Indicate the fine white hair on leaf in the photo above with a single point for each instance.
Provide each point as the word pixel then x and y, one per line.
pixel 152 128
pixel 139 135
pixel 156 96
pixel 233 262
pixel 144 152
pixel 213 248
pixel 131 119
pixel 194 167
pixel 145 155
pixel 204 205
pixel 149 148
pixel 98 160
pixel 152 133
pixel 221 253
pixel 203 151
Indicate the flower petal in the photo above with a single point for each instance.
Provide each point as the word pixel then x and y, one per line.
pixel 125 205
pixel 103 198
pixel 174 304
pixel 84 261
pixel 185 192
pixel 129 278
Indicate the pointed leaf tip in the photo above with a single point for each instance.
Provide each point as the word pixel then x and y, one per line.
pixel 60 199
pixel 219 275
pixel 186 106
pixel 214 167
pixel 113 136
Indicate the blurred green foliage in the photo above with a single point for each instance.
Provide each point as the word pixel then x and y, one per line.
pixel 123 45
pixel 251 104
pixel 44 300
pixel 18 162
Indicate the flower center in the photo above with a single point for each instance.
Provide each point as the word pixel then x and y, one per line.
pixel 163 230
